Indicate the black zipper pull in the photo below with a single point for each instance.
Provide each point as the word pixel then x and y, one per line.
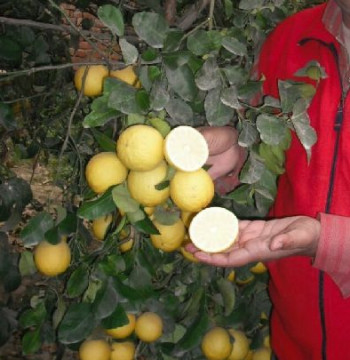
pixel 339 118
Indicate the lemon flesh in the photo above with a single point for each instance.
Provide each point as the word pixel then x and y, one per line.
pixel 185 148
pixel 214 229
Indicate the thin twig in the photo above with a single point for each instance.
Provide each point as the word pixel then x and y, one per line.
pixel 35 24
pixel 191 14
pixel 211 15
pixel 12 74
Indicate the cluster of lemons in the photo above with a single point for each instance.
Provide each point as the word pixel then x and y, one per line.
pixel 147 327
pixel 145 160
pixel 232 344
pixel 54 259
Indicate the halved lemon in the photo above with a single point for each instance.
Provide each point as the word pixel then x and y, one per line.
pixel 214 229
pixel 185 148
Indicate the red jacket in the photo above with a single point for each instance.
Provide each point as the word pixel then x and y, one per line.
pixel 311 318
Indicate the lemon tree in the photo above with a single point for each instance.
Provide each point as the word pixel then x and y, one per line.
pixel 121 140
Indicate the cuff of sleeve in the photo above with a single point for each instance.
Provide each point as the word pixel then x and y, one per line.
pixel 333 251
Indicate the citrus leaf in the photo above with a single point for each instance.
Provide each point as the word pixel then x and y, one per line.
pixel 131 293
pixel 146 226
pixel 106 300
pixel 179 111
pixel 272 129
pixel 248 135
pixel 150 27
pixel 105 142
pixel 59 312
pixel 33 317
pixel 199 43
pixel 227 291
pixel 36 228
pixel 208 77
pixel 122 98
pixel 181 80
pixel 26 263
pixel 234 46
pixel 116 319
pixel 123 200
pixel 112 17
pixel 93 209
pixel 129 51
pixel 31 341
pixel 229 97
pixel 77 324
pixel 78 281
pixel 252 170
pixel 216 112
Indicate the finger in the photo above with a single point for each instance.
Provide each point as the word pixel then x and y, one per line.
pixel 224 163
pixel 219 138
pixel 191 248
pixel 221 260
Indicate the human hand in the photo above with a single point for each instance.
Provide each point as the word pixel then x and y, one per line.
pixel 226 157
pixel 261 240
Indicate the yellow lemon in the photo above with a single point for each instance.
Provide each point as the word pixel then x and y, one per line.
pixel 149 327
pixel 249 355
pixel 104 170
pixel 93 85
pixel 123 351
pixel 187 255
pixel 214 229
pixel 192 191
pixel 258 268
pixel 100 226
pixel 216 344
pixel 52 260
pixel 170 237
pixel 240 347
pixel 124 331
pixel 186 217
pixel 185 148
pixel 127 75
pixel 262 353
pixel 140 147
pixel 94 350
pixel 142 185
pixel 266 341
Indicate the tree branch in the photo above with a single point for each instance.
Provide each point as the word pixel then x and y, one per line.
pixel 191 15
pixel 170 11
pixel 35 24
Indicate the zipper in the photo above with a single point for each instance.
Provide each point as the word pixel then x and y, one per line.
pixel 337 128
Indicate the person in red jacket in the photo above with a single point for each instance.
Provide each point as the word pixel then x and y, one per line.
pixel 306 241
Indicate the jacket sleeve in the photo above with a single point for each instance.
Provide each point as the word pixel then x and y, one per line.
pixel 333 252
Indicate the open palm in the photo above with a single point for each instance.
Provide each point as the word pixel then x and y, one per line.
pixel 261 240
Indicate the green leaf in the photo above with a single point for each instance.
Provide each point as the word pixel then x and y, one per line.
pixel 59 312
pixel 227 291
pixel 234 46
pixel 78 281
pixel 33 317
pixel 105 142
pixel 251 4
pixel 181 80
pixel 142 100
pixel 241 194
pixel 248 135
pixel 272 129
pixel 26 263
pixel 116 319
pixel 173 40
pixel 136 216
pixel 252 170
pixel 5 326
pixel 180 111
pixel 301 122
pixel 106 300
pixel 77 324
pixel 216 112
pixel 112 17
pixel 129 52
pixel 200 43
pixel 132 294
pixel 208 77
pixel 150 27
pixel 194 333
pixel 146 226
pixel 123 98
pixel 36 228
pixel 229 97
pixel 133 119
pixel 12 279
pixel 166 217
pixel 31 341
pixel 93 209
pixel 123 200
pixel 95 118
pixel 10 50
